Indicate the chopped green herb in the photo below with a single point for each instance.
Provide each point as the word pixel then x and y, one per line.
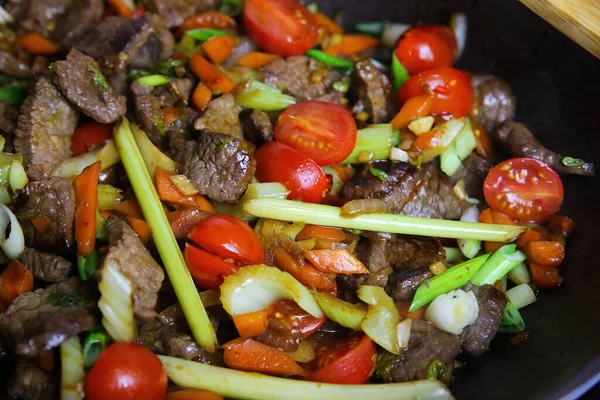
pixel 573 162
pixel 97 77
pixel 224 142
pixel 13 94
pixel 436 369
pixel 379 174
pixel 159 123
pixel 396 138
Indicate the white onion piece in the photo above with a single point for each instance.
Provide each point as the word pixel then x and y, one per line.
pixel 521 295
pixel 397 154
pixel 403 333
pixel 458 23
pixel 357 207
pixel 471 215
pixel 14 245
pixel 452 312
pixel 391 33
pixel 5 17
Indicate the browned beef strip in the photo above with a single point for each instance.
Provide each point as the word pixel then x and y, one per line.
pixel 42 320
pixel 302 77
pixel 217 165
pixel 174 12
pixel 372 88
pixel 522 143
pixel 256 126
pixel 46 267
pixel 493 101
pixel 14 61
pixel 421 192
pixel 473 172
pixel 46 124
pixel 415 252
pixel 54 199
pixel 477 337
pixel 403 285
pixel 128 255
pixel 30 382
pixel 222 116
pixel 423 349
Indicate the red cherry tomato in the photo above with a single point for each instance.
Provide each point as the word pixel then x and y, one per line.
pixel 127 371
pixel 451 89
pixel 295 317
pixel 524 189
pixel 426 47
pixel 278 162
pixel 283 27
pixel 348 362
pixel 206 269
pixel 325 132
pixel 90 134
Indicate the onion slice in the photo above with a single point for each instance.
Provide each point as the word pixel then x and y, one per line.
pixel 458 23
pixel 14 244
pixel 363 206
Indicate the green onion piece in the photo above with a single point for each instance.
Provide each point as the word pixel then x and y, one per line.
pixel 399 73
pixel 98 78
pixel 436 369
pixel 204 34
pixel 167 67
pixel 319 214
pixel 330 60
pixel 154 80
pixel 512 321
pixel 452 254
pixel 370 28
pixel 87 265
pixel 101 229
pixel 573 162
pixel 375 141
pixel 260 96
pixel 135 74
pixel 499 264
pixel 520 274
pixel 231 7
pixel 379 174
pixel 396 138
pixel 108 197
pixel 14 94
pixel 234 384
pixel 166 243
pixel 273 190
pixel 451 159
pixel 93 345
pixel 187 45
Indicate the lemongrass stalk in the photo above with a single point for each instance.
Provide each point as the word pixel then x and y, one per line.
pixel 116 305
pixel 372 143
pixel 498 265
pixel 151 154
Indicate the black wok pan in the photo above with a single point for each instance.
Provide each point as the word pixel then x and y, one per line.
pixel 557 85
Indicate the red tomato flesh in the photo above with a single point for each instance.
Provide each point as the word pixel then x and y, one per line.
pixel 426 47
pixel 90 134
pixel 325 132
pixel 524 189
pixel 206 269
pixel 278 162
pixel 127 371
pixel 282 27
pixel 295 317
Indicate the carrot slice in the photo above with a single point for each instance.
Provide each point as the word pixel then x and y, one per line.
pixel 545 277
pixel 34 43
pixel 306 274
pixel 171 114
pixel 121 8
pixel 86 204
pixel 252 356
pixel 489 216
pixel 330 26
pixel 130 208
pixel 321 232
pixel 339 261
pixel 251 324
pixel 167 191
pixel 257 60
pixel 218 48
pixel 15 280
pixel 562 224
pixel 41 224
pixel 204 204
pixel 201 97
pixel 416 107
pixel 193 394
pixel 530 235
pixel 352 44
pixel 210 75
pixel 546 253
pixel 484 145
pixel 142 229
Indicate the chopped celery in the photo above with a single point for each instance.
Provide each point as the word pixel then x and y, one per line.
pixel 399 73
pixel 108 197
pixel 346 314
pixel 370 28
pixel 256 287
pixel 116 305
pixel 263 97
pixel 255 190
pixel 203 34
pixel 87 265
pixel 93 345
pixel 270 227
pixel 234 384
pixel 499 264
pixel 470 247
pixel 154 80
pixel 13 94
pixel 187 45
pixel 17 178
pixel 72 374
pixel 450 131
pixel 151 155
pixel 463 146
pixel 318 214
pixel 374 141
pixel 512 321
pixel 166 243
pixel 382 319
pixel 521 295
pixel 72 167
pixel 330 60
pixel 520 274
pixel 452 254
pixel 4 195
pixel 452 279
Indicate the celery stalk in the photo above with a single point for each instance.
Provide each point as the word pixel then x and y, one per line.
pixel 450 131
pixel 463 146
pixel 498 265
pixel 382 318
pixel 521 295
pixel 452 254
pixel 470 248
pixel 520 274
pixel 151 155
pixel 72 379
pixel 108 197
pixel 72 167
pixel 166 243
pixel 372 143
pixel 318 214
pixel 273 190
pixel 236 384
pixel 346 314
pixel 263 97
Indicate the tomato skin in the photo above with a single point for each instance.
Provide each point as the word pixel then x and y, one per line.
pixel 89 134
pixel 278 162
pixel 426 47
pixel 325 132
pixel 206 269
pixel 296 317
pixel 282 27
pixel 524 189
pixel 127 371
pixel 451 89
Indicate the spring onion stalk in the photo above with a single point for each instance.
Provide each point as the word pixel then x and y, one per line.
pixel 154 80
pixel 453 254
pixel 371 28
pixel 14 244
pixel 256 287
pixel 452 312
pixel 108 197
pixel 521 295
pixel 234 384
pixel 13 94
pixel 72 167
pixel 17 178
pixel 372 143
pixel 260 96
pixel 346 314
pixel 470 247
pixel 499 264
pixel 101 229
pixel 450 131
pixel 319 214
pixel 399 73
pixel 391 33
pixel 512 321
pixel 450 280
pixel 87 265
pixel 330 60
pixel 520 274
pixel 382 319
pixel 452 158
pixel 272 190
pixel 72 374
pixel 459 25
pixel 93 345
pixel 166 243
pixel 203 34
pixel 5 17
pixel 116 305
pixel 151 155
pixel 187 45
pixel 4 196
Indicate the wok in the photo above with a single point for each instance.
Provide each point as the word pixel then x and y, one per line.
pixel 556 85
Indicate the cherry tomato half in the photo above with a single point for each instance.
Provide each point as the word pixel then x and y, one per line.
pixel 278 162
pixel 90 134
pixel 325 132
pixel 524 189
pixel 127 371
pixel 206 269
pixel 283 27
pixel 451 89
pixel 348 362
pixel 295 317
pixel 426 47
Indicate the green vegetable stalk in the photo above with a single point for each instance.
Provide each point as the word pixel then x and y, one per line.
pixel 511 320
pixel 372 143
pixel 330 60
pixel 93 345
pixel 255 191
pixel 498 265
pixel 346 314
pixel 154 80
pixel 260 96
pixel 203 34
pixel 87 265
pixel 382 319
pixel 399 73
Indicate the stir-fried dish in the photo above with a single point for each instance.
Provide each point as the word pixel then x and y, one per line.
pixel 204 199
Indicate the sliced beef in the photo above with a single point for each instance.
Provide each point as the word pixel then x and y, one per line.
pixel 415 252
pixel 42 320
pixel 493 101
pixel 473 172
pixel 128 255
pixel 403 284
pixel 522 143
pixel 53 199
pixel 14 61
pixel 46 124
pixel 257 126
pixel 373 90
pixel 423 349
pixel 216 163
pixel 79 78
pixel 222 116
pixel 30 382
pixel 302 77
pixel 421 192
pixel 46 267
pixel 477 337
pixel 174 12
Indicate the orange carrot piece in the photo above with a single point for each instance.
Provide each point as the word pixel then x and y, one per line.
pixel 41 224
pixel 193 394
pixel 105 213
pixel 167 191
pixel 86 204
pixel 341 171
pixel 46 360
pixel 210 19
pixel 339 261
pixel 530 235
pixel 415 107
pixel 120 8
pixel 330 26
pixel 562 224
pixel 545 253
pixel 142 229
pixel 257 60
pixel 403 307
pixel 321 232
pixel 183 220
pixel 171 114
pixel 545 277
pixel 130 208
pixel 210 75
pixel 15 280
pixel 34 43
pixel 252 356
pixel 306 274
pixel 489 216
pixel 218 48
pixel 251 324
pixel 201 97
pixel 204 204
pixel 352 44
